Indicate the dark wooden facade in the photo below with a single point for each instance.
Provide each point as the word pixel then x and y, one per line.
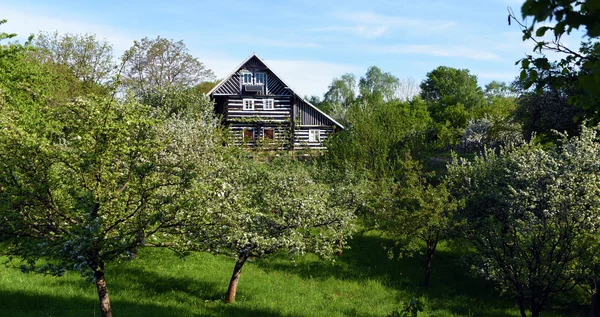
pixel 261 110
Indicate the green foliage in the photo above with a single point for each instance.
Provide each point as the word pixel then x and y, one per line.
pixel 342 91
pixel 411 309
pixel 453 97
pixel 532 215
pixel 579 69
pixel 377 86
pixel 379 134
pixel 260 209
pixel 206 86
pixel 178 101
pixel 86 179
pixel 414 211
pixel 542 114
pixel 445 87
pixel 154 65
pixel 90 60
pixel 99 178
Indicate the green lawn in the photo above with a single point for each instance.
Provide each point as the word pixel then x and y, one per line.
pixel 362 282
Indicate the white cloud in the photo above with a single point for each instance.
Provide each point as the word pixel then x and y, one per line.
pixel 467 52
pixel 30 21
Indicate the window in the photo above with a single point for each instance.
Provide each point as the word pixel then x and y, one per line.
pixel 259 78
pixel 248 104
pixel 247 78
pixel 269 134
pixel 269 104
pixel 248 135
pixel 313 136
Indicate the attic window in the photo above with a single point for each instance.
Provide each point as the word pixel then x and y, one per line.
pixel 259 78
pixel 247 78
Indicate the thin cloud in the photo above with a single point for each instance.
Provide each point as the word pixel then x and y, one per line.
pixel 280 43
pixel 437 50
pixel 362 31
pixel 372 25
pixel 501 76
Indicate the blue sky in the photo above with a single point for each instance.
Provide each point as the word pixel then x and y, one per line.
pixel 308 43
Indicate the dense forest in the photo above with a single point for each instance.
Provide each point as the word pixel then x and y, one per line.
pixel 104 159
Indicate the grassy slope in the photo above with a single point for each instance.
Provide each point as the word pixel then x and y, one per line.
pixel 362 282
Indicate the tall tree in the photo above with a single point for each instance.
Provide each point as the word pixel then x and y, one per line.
pixel 378 85
pixel 158 64
pixel 342 91
pixel 446 86
pixel 89 59
pixel 453 97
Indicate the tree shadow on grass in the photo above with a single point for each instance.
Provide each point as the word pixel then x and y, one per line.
pixel 451 287
pixel 27 304
pixel 34 305
pixel 149 284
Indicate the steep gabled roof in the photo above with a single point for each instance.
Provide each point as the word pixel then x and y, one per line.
pixel 280 86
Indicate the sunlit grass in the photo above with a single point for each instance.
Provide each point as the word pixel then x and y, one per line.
pixel 362 282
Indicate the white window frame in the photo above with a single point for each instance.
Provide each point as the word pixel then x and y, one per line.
pixel 263 134
pixel 249 74
pixel 268 104
pixel 248 104
pixel 244 135
pixel 314 136
pixel 264 78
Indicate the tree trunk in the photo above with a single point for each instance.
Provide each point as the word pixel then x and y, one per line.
pixel 340 247
pixel 428 258
pixel 431 245
pixel 102 292
pixel 536 307
pixel 237 271
pixel 521 304
pixel 596 300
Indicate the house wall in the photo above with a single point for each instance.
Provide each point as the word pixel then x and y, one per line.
pixel 308 116
pixel 292 118
pixel 301 137
pixel 281 113
pixel 281 135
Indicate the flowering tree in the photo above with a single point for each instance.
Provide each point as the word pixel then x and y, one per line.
pixel 259 209
pixel 87 181
pixel 533 216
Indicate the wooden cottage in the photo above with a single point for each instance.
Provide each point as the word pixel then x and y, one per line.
pixel 261 110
